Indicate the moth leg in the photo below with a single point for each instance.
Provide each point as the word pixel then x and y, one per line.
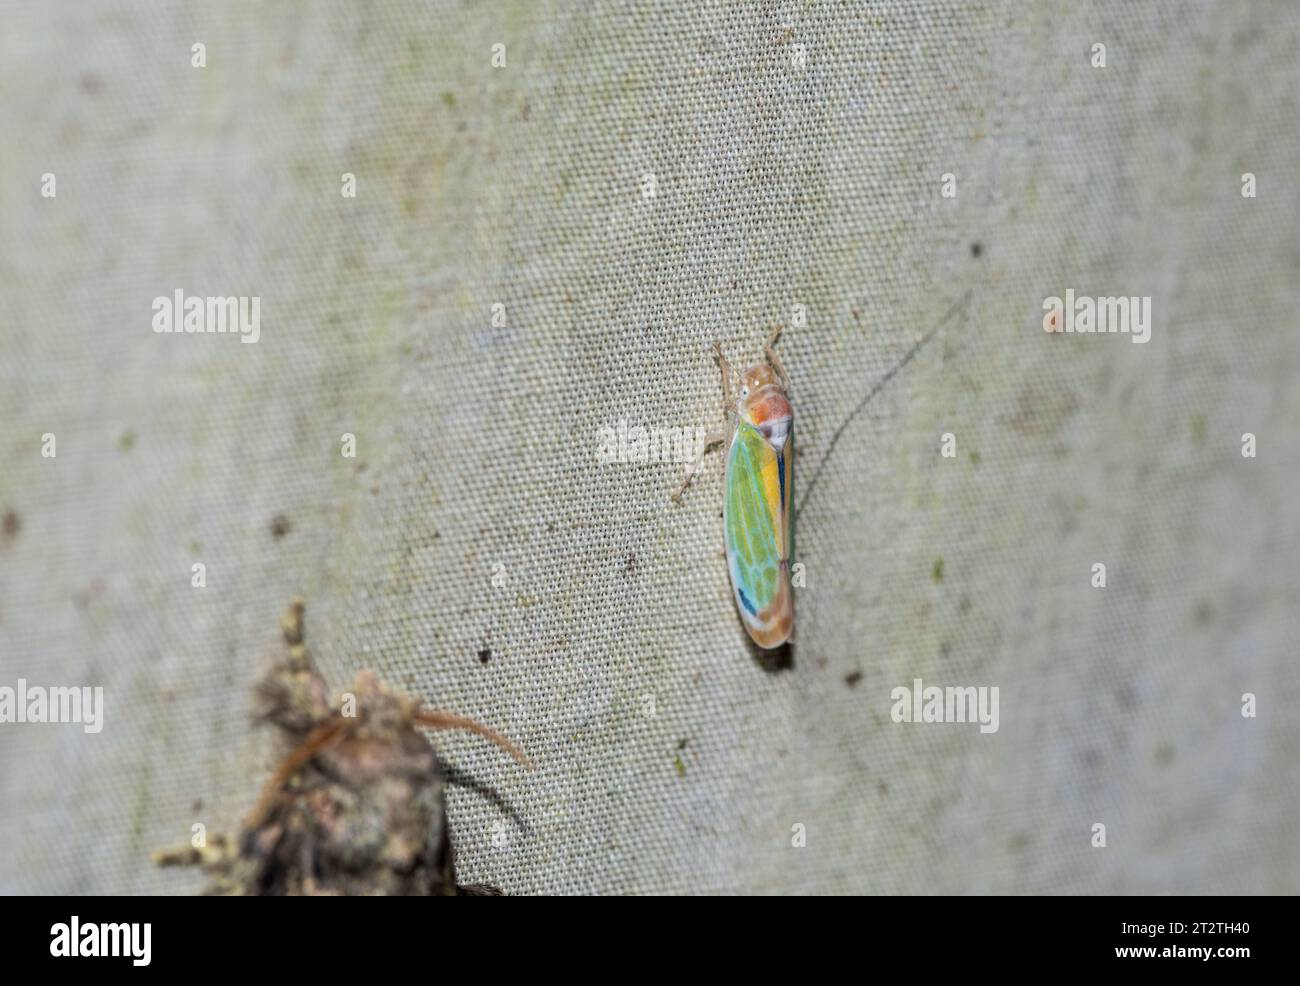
pixel 710 440
pixel 775 360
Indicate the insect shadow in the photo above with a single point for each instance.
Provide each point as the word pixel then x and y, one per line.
pixel 960 305
pixel 772 661
pixel 467 782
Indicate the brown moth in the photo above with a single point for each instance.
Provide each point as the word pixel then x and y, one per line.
pixel 356 805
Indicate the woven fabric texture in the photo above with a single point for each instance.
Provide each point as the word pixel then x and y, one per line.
pixel 546 247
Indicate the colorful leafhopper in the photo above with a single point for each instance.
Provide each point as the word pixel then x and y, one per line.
pixel 758 498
